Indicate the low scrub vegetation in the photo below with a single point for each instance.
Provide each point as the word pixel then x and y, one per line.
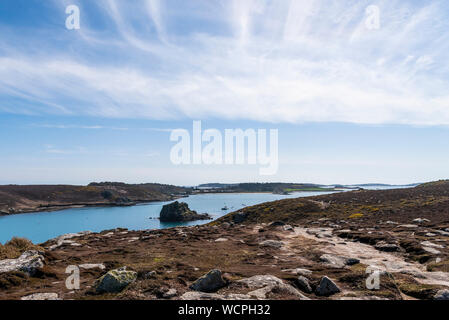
pixel 15 247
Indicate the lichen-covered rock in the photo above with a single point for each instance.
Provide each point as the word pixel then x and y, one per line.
pixel 280 288
pixel 210 282
pixel 272 243
pixel 260 281
pixel 180 212
pixel 41 296
pixel 335 261
pixel 327 287
pixel 195 295
pixel 29 262
pixel 269 284
pixel 115 280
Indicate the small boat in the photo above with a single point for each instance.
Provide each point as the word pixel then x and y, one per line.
pixel 225 208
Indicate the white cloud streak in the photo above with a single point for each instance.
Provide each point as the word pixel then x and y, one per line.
pixel 277 61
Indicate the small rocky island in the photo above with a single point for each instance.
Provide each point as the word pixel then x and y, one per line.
pixel 180 212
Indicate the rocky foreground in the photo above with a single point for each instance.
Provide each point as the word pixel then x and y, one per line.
pixel 365 245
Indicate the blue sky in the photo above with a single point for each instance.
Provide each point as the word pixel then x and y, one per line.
pixel 352 104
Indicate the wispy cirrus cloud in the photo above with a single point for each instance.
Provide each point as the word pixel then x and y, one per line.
pixel 278 61
pixel 59 151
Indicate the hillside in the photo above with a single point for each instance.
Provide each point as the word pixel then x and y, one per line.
pixel 430 200
pixel 324 247
pixel 20 199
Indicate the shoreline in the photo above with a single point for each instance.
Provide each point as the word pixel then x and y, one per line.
pixel 63 207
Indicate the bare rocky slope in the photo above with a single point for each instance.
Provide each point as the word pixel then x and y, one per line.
pixel 327 247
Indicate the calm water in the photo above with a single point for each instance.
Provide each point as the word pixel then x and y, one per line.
pixel 39 227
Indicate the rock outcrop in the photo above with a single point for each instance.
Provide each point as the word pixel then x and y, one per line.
pixel 180 212
pixel 303 284
pixel 269 284
pixel 210 282
pixel 327 288
pixel 29 262
pixel 272 243
pixel 442 295
pixel 65 239
pixel 115 280
pixel 196 295
pixel 335 261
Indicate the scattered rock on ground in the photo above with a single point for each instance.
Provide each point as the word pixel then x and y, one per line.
pixel 210 282
pixel 431 250
pixel 298 271
pixel 421 220
pixel 196 295
pixel 65 239
pixel 41 296
pixel 280 288
pixel 432 245
pixel 408 226
pixel 260 281
pixel 303 284
pixel 327 287
pixel 269 284
pixel 272 243
pixel 170 293
pixel 442 295
pixel 338 262
pixel 88 266
pixel 115 280
pixel 29 262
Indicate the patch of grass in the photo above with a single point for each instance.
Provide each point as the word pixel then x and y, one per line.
pixel 440 266
pixel 356 216
pixel 12 279
pixel 15 247
pixel 418 290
